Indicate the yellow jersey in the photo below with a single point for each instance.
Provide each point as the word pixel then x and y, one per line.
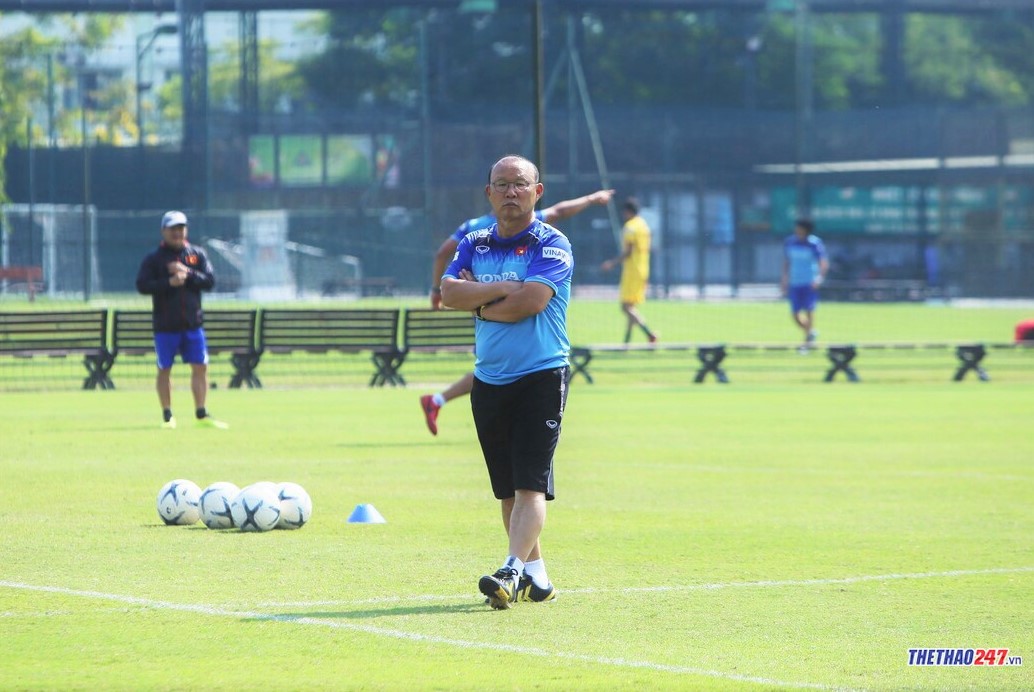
pixel 635 268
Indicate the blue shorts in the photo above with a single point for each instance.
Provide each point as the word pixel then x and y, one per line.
pixel 190 345
pixel 803 298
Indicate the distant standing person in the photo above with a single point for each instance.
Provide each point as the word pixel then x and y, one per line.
pixel 431 404
pixel 515 276
pixel 805 264
pixel 174 276
pixel 635 268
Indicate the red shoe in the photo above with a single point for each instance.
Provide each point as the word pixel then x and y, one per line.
pixel 430 412
pixel 652 338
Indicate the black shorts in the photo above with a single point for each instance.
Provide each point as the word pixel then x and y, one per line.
pixel 518 426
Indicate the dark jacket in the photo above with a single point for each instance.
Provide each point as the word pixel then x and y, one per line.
pixel 175 308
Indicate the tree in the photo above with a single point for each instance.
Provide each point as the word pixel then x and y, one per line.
pixel 953 60
pixel 279 81
pixel 40 59
pixel 653 57
pixel 370 59
pixel 845 54
pixel 1009 39
pixel 373 59
pixel 23 82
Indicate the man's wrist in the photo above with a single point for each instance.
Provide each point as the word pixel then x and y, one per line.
pixel 437 290
pixel 479 313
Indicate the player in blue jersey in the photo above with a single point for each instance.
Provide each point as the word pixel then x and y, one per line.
pixel 805 264
pixel 431 404
pixel 515 276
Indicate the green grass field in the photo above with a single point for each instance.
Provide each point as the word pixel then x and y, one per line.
pixel 773 533
pixel 703 537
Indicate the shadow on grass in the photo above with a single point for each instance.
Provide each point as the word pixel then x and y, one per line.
pixel 398 611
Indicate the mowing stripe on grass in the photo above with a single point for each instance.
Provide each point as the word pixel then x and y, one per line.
pixel 413 636
pixel 973 475
pixel 819 582
pixel 685 587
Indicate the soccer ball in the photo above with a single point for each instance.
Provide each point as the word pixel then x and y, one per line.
pixel 295 506
pixel 178 502
pixel 255 508
pixel 215 505
pixel 264 486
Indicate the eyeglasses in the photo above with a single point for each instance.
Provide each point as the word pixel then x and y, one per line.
pixel 502 186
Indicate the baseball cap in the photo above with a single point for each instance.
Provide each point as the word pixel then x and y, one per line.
pixel 174 218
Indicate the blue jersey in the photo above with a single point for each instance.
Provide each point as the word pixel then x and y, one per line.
pixel 803 258
pixel 481 223
pixel 508 351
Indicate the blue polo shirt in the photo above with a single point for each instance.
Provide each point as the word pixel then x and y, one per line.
pixel 803 257
pixel 508 351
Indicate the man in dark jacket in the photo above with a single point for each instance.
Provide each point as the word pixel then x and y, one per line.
pixel 174 276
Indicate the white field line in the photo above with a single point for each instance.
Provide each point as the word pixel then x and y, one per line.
pixel 412 636
pixel 680 587
pixel 531 651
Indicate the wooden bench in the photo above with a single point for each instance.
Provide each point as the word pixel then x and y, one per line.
pixel 31 277
pixel 226 331
pixel 969 356
pixel 437 331
pixel 581 356
pixel 367 286
pixel 58 335
pixel 344 331
pixel 709 355
pixel 874 290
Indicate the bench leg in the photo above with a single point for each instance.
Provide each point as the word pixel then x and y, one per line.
pixel 98 366
pixel 387 369
pixel 840 357
pixel 711 358
pixel 970 357
pixel 244 365
pixel 580 358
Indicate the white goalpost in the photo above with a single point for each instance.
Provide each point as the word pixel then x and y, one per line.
pixel 59 238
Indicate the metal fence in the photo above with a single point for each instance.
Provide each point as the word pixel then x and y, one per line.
pixel 698 249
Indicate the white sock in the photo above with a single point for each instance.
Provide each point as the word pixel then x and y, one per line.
pixel 438 400
pixel 514 563
pixel 536 569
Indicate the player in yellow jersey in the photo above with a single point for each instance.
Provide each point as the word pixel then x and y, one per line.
pixel 635 267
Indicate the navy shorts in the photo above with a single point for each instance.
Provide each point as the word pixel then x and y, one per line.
pixel 518 426
pixel 190 345
pixel 803 298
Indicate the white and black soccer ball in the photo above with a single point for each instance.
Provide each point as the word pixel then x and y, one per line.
pixel 262 485
pixel 178 502
pixel 215 505
pixel 295 506
pixel 255 508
